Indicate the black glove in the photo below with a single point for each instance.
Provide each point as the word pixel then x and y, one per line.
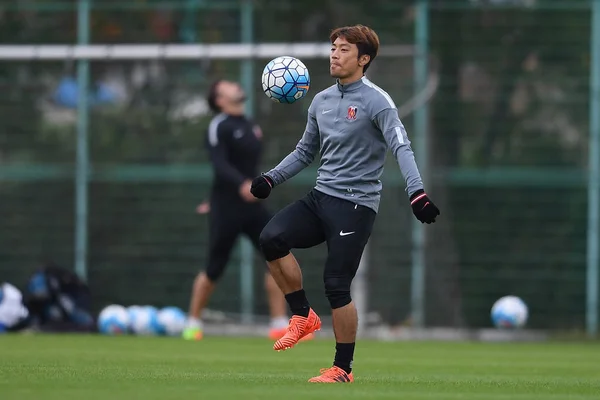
pixel 261 186
pixel 423 207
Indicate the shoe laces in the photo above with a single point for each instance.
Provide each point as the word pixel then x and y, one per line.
pixel 297 323
pixel 331 372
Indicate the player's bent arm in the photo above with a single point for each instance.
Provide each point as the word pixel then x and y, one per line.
pixel 395 135
pixel 302 156
pixel 224 170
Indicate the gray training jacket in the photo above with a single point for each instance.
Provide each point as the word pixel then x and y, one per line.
pixel 352 126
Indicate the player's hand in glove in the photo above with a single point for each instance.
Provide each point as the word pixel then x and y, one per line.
pixel 261 186
pixel 423 207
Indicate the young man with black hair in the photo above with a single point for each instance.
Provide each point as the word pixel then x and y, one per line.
pixel 351 124
pixel 234 145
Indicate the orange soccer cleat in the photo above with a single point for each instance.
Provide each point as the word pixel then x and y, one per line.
pixel 298 329
pixel 276 334
pixel 333 375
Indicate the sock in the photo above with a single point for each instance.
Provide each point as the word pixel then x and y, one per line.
pixel 344 354
pixel 298 303
pixel 193 323
pixel 279 323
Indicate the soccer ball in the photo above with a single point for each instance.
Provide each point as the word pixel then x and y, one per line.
pixel 285 79
pixel 12 309
pixel 509 312
pixel 144 320
pixel 113 320
pixel 171 321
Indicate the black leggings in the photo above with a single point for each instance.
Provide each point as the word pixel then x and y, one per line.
pixel 318 218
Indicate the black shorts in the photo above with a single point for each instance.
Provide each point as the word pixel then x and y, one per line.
pixel 318 218
pixel 227 221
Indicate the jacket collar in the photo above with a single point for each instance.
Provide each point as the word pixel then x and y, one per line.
pixel 350 87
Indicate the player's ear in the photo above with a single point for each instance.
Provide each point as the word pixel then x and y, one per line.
pixel 364 60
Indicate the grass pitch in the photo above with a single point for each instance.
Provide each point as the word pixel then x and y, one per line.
pixel 93 367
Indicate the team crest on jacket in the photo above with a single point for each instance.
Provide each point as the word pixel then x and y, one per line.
pixel 352 110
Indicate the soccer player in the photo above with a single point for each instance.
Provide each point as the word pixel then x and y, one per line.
pixel 352 124
pixel 234 144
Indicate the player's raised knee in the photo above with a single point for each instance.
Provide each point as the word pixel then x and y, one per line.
pixel 272 243
pixel 337 290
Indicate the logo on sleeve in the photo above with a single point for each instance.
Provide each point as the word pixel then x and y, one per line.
pixel 352 111
pixel 257 132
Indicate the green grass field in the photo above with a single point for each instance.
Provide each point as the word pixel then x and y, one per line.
pixel 93 367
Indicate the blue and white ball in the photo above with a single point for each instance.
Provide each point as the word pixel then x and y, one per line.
pixel 12 309
pixel 144 320
pixel 113 320
pixel 285 79
pixel 509 312
pixel 171 321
